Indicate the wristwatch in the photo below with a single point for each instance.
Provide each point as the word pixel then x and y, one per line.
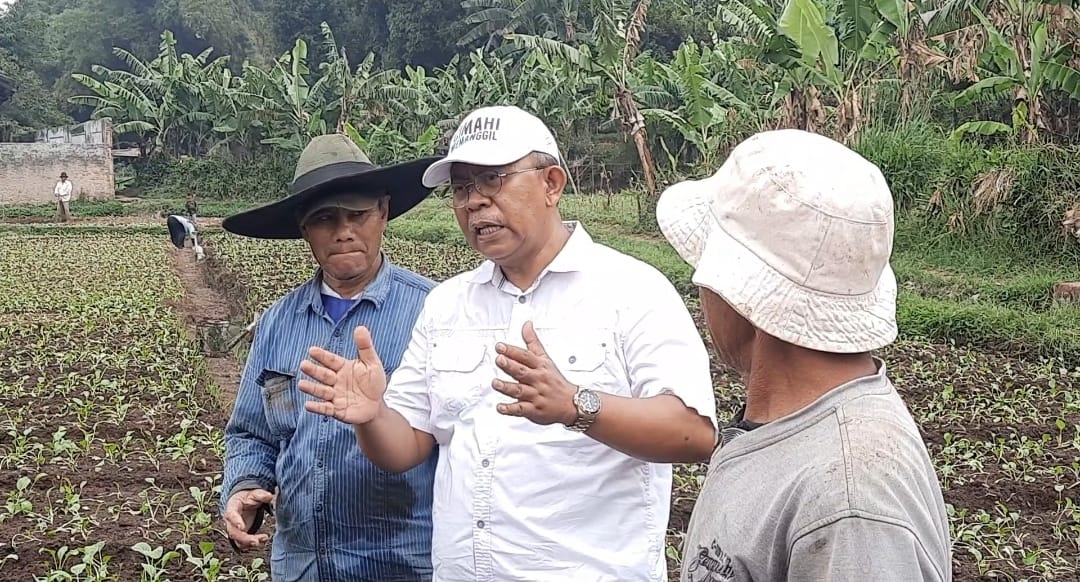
pixel 587 403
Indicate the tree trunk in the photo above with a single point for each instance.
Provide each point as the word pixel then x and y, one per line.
pixel 634 124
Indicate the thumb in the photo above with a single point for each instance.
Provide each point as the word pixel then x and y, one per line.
pixel 365 348
pixel 261 496
pixel 532 341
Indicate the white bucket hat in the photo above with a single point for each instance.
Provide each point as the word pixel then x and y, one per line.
pixel 493 136
pixel 795 232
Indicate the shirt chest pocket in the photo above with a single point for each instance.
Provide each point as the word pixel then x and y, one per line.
pixel 586 358
pixel 458 375
pixel 280 402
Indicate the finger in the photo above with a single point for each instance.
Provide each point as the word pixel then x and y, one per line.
pixel 519 355
pixel 532 341
pixel 326 358
pixel 320 391
pixel 319 373
pixel 248 541
pixel 260 496
pixel 365 348
pixel 234 523
pixel 515 369
pixel 514 390
pixel 323 408
pixel 515 409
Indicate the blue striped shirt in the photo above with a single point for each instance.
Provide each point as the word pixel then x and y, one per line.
pixel 338 517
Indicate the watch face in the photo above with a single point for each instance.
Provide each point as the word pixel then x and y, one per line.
pixel 589 401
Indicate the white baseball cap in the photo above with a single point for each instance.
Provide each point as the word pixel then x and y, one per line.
pixel 795 232
pixel 493 136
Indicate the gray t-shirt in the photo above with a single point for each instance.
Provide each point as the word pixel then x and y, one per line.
pixel 841 490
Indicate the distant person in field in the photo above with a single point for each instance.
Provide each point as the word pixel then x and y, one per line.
pixel 338 515
pixel 823 474
pixel 62 191
pixel 190 206
pixel 558 381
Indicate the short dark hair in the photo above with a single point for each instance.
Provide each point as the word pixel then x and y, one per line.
pixel 543 159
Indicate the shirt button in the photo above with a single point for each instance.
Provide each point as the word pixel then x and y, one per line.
pixel 325 419
pixel 485 463
pixel 337 333
pixel 521 299
pixel 480 524
pixel 573 359
pixel 318 507
pixel 319 464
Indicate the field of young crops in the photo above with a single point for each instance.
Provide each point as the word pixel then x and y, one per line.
pixel 110 431
pixel 1004 432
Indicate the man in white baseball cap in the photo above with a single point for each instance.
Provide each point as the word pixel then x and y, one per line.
pixel 823 474
pixel 559 380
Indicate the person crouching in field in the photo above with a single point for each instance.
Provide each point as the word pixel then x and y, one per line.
pixel 558 381
pixel 823 474
pixel 339 517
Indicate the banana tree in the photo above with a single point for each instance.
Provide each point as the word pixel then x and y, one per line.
pixel 155 99
pixel 291 110
pixel 362 92
pixel 1025 72
pixel 493 19
pixel 819 49
pixel 683 96
pixel 615 40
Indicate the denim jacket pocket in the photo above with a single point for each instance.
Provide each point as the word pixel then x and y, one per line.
pixel 280 402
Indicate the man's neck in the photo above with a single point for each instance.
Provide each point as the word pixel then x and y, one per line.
pixel 784 379
pixel 350 288
pixel 525 275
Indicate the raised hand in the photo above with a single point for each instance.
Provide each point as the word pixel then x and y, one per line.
pixel 348 390
pixel 543 395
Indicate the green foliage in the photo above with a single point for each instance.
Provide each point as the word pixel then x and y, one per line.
pixel 216 178
pixel 30 107
pixel 1017 192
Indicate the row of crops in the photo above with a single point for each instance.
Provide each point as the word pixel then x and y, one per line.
pixel 1004 431
pixel 111 429
pixel 110 433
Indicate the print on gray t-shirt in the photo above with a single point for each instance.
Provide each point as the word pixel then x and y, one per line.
pixel 841 490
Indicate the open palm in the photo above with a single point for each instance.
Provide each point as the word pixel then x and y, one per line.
pixel 348 390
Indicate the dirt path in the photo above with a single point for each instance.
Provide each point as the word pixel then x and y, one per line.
pixel 201 307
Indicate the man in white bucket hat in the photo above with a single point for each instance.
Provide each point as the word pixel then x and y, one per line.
pixel 823 474
pixel 559 381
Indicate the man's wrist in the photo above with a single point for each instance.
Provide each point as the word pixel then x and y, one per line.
pixel 572 413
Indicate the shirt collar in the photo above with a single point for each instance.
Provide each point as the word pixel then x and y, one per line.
pixel 573 257
pixel 376 292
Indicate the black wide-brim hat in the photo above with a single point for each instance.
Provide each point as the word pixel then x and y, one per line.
pixel 332 164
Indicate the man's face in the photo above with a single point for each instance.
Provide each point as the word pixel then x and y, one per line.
pixel 732 335
pixel 346 243
pixel 503 226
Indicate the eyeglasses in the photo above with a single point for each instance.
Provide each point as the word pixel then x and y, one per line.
pixel 486 184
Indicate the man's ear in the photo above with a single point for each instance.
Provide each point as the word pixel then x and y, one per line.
pixel 555 178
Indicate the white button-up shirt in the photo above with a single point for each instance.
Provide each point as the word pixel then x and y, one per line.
pixel 515 500
pixel 63 190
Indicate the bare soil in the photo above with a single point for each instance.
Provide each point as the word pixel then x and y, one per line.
pixel 202 305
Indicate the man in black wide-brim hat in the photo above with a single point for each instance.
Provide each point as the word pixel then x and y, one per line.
pixel 338 516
